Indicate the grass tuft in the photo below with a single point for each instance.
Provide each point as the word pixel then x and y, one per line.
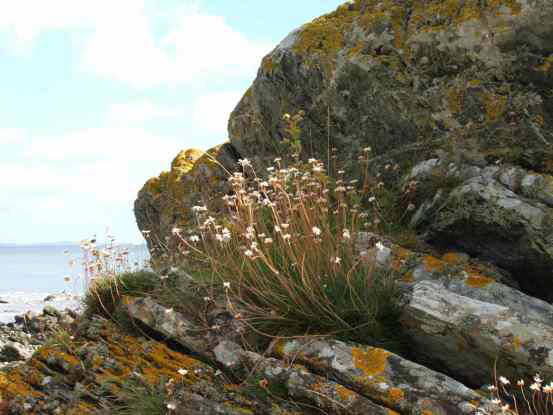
pixel 105 293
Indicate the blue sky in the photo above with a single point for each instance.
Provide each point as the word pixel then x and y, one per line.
pixel 98 96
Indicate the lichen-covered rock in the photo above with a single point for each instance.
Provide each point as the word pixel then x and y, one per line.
pixel 20 339
pixel 460 320
pixel 362 378
pixel 91 372
pixel 408 77
pixel 384 377
pixel 502 214
pixel 165 202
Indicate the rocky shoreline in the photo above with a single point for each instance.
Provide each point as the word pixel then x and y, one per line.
pixel 24 336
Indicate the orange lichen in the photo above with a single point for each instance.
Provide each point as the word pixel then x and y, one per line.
pixel 345 394
pixel 432 264
pixel 14 384
pixel 546 66
pixel 478 281
pixel 399 256
pixel 395 395
pixel 370 361
pixel 453 258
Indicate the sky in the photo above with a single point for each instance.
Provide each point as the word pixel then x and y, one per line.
pixel 99 96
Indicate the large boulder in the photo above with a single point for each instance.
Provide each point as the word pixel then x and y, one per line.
pixel 464 82
pixel 408 77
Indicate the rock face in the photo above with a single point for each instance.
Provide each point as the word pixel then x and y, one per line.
pixel 458 95
pixel 402 77
pixel 195 178
pixel 466 84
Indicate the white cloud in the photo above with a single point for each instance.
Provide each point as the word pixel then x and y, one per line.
pixel 140 111
pixel 11 135
pixel 126 144
pixel 118 40
pixel 211 111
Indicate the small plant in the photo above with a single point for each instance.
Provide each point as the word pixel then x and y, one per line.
pixel 137 397
pixel 284 255
pixel 104 294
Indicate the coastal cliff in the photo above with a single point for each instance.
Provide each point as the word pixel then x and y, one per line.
pixel 449 107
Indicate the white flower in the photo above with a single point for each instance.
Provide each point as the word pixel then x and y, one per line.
pixel 535 386
pixel 285 225
pixel 268 241
pixel 219 237
pixel 277 228
pixel 270 169
pixel 346 234
pixel 311 161
pixel 318 168
pixel 504 380
pixel 244 163
pixel 206 299
pixel 337 260
pixel 316 231
pixel 226 284
pixel 367 149
pixel 194 238
pixel 277 160
pixel 520 383
pixel 168 310
pixel 372 199
pixel 183 372
pixel 199 209
pixel 176 230
pixel 171 406
pixel 496 401
pixel 286 236
pixel 248 253
pixel 537 379
pixel 163 277
pixel 380 246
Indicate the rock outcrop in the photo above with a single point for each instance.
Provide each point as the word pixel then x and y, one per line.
pixel 458 95
pixel 466 84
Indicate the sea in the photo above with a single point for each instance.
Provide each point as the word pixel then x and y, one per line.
pixel 30 273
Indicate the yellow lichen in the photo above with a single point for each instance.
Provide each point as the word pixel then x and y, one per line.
pixel 455 100
pixel 517 343
pixel 408 277
pixel 478 281
pixel 494 105
pixel 267 64
pixel 370 361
